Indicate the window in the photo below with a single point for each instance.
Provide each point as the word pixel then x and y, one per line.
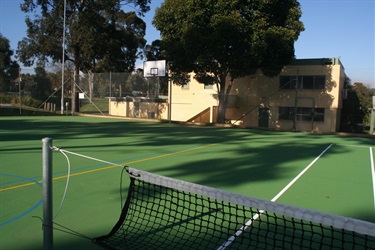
pixel 308 82
pixel 319 82
pixel 303 114
pixel 288 82
pixel 286 113
pixel 304 82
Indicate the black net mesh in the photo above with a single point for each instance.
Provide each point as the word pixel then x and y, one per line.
pixel 160 217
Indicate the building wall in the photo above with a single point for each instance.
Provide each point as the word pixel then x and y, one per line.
pixel 188 101
pixel 255 94
pixel 259 91
pixel 254 101
pixel 138 108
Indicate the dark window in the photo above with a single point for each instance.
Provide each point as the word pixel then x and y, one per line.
pixel 286 113
pixel 319 115
pixel 303 114
pixel 320 82
pixel 307 82
pixel 304 82
pixel 288 82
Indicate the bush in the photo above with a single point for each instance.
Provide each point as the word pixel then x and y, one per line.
pixel 14 100
pixel 5 98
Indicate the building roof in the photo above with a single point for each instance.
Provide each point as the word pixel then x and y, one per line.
pixel 316 61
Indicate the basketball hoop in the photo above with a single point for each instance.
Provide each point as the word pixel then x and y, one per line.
pixel 154 68
pixel 154 72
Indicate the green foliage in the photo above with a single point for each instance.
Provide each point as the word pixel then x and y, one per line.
pixel 27 101
pixel 364 95
pixel 125 45
pixel 14 100
pixel 356 107
pixel 8 69
pixel 228 36
pixel 154 51
pixel 220 38
pixel 43 85
pixel 5 99
pixel 136 82
pixel 99 34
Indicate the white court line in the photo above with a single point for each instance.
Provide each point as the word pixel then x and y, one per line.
pixel 373 172
pixel 354 146
pixel 255 217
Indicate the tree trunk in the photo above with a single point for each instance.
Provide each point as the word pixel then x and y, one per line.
pixel 223 99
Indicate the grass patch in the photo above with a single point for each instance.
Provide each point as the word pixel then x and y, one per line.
pixel 88 107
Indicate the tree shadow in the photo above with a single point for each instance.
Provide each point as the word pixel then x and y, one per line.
pixel 237 158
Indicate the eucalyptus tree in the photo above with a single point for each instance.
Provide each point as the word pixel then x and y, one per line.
pixel 219 40
pixel 9 69
pixel 100 35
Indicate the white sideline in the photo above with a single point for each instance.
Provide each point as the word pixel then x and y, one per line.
pixel 255 217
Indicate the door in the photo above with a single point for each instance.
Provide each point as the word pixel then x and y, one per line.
pixel 264 116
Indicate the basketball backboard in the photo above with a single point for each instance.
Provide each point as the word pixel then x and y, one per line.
pixel 154 68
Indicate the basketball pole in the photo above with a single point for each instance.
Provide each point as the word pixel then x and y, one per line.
pixel 47 193
pixel 170 100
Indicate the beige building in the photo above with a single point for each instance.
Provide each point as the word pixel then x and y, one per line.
pixel 260 101
pixel 305 96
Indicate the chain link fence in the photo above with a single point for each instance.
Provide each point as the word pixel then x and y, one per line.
pixel 95 91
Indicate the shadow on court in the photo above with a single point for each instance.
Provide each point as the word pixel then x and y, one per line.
pixel 244 161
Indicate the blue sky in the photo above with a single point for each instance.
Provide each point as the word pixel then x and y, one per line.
pixel 333 28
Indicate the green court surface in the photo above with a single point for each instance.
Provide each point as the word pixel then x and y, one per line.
pixel 338 177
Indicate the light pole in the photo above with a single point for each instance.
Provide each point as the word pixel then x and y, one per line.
pixel 19 89
pixel 63 62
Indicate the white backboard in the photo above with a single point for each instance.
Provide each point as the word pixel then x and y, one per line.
pixel 154 68
pixel 373 102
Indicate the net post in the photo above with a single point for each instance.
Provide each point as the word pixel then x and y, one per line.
pixel 47 193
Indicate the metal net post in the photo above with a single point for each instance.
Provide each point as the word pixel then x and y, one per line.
pixel 47 193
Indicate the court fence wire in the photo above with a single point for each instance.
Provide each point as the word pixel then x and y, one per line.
pixel 97 89
pixel 166 213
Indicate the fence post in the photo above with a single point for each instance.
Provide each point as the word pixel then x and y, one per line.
pixel 47 193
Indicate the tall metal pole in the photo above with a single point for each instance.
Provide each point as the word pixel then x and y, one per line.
pixel 110 84
pixel 170 101
pixel 63 62
pixel 47 194
pixel 19 89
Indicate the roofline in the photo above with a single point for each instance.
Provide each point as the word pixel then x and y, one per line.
pixel 316 61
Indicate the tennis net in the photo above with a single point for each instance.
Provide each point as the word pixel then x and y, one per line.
pixel 165 213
